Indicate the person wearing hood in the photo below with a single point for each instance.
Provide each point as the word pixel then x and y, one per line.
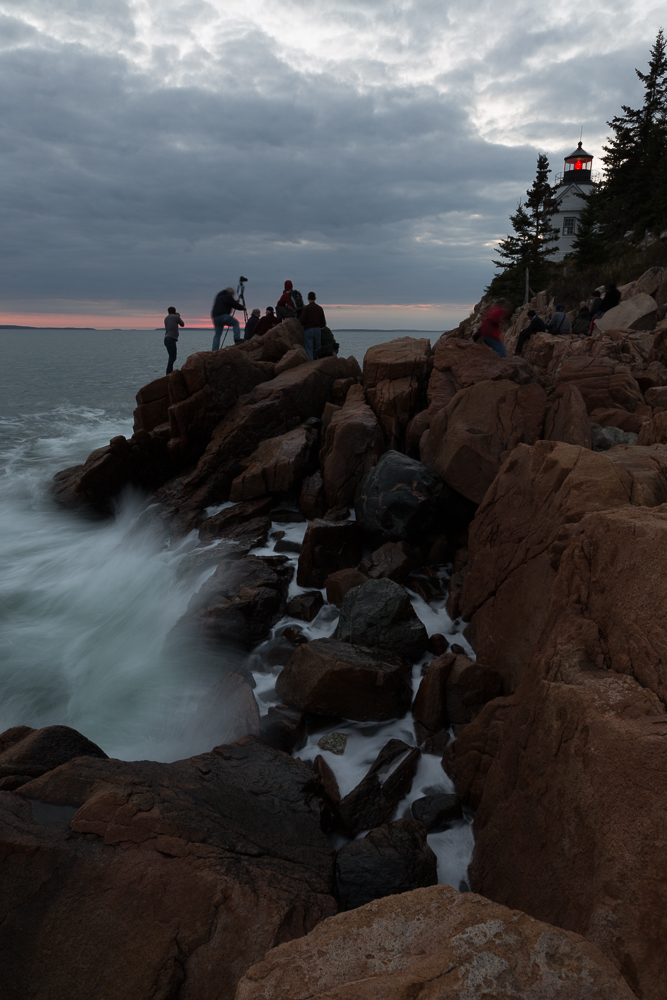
pixel 266 323
pixel 221 314
pixel 285 306
pixel 611 299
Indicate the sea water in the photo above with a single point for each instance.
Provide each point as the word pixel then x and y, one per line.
pixel 86 605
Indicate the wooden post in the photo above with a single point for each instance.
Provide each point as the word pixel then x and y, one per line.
pixel 526 298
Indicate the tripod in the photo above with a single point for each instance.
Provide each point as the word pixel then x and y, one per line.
pixel 240 295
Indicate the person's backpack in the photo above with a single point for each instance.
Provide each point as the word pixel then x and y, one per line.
pixel 297 301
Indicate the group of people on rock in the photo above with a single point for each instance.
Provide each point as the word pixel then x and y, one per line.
pixel 490 330
pixel 319 341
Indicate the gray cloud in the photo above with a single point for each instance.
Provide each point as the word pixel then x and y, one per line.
pixel 143 161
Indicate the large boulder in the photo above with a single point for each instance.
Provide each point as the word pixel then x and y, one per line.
pixel 380 614
pixel 522 528
pixel 395 376
pixel 400 499
pixel 602 382
pixel 654 431
pixel 277 466
pixel 352 445
pixel 636 313
pixel 27 753
pixel 567 419
pixel 148 879
pixel 275 343
pixel 328 546
pixel 374 800
pixel 330 677
pixel 390 859
pixel 437 943
pixel 469 440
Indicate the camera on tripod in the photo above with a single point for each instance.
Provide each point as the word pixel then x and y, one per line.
pixel 240 295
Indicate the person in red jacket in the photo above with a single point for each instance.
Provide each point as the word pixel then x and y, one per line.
pixel 490 329
pixel 285 306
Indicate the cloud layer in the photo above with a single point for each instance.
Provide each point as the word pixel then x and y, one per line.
pixel 154 150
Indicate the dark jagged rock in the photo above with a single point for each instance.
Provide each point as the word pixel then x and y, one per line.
pixel 173 874
pixel 393 560
pixel 283 727
pixel 375 798
pixel 390 859
pixel 340 582
pixel 437 812
pixel 379 614
pixel 223 524
pixel 399 499
pixel 27 753
pixel 328 546
pixel 305 606
pixel 334 678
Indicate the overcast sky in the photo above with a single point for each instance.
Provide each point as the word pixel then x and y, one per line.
pixel 154 150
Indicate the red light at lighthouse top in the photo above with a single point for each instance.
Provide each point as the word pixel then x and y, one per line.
pixel 581 161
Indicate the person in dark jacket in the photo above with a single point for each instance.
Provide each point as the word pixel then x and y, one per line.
pixel 266 323
pixel 172 321
pixel 221 314
pixel 535 325
pixel 285 306
pixel 582 322
pixel 612 297
pixel 312 320
pixel 251 324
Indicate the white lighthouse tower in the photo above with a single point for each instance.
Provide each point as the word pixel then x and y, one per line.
pixel 577 179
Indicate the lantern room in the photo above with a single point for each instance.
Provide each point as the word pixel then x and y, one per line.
pixel 578 167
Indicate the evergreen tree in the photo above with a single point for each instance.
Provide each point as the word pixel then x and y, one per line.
pixel 589 247
pixel 533 240
pixel 633 195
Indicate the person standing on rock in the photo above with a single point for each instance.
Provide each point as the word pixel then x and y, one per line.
pixel 290 303
pixel 172 321
pixel 312 320
pixel 221 314
pixel 251 324
pixel 266 323
pixel 559 322
pixel 490 329
pixel 535 325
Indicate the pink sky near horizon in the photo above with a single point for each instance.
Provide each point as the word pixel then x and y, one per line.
pixel 343 313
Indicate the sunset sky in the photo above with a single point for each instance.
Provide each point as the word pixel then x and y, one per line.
pixel 154 150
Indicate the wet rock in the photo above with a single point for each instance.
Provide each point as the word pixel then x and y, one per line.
pixel 437 812
pixel 379 614
pixel 238 604
pixel 374 799
pixel 199 865
pixel 312 501
pixel 337 514
pixel 305 606
pixel 283 728
pixel 333 742
pixel 352 445
pixel 603 438
pixel 395 377
pixel 227 712
pixel 399 499
pixel 430 705
pixel 294 635
pixel 328 677
pixel 152 405
pixel 437 644
pixel 567 419
pixel 393 561
pixel 224 524
pixel 470 438
pixel 338 584
pixel 328 546
pixel 27 753
pixel 390 859
pixel 277 465
pixel 285 545
pixel 432 944
pixel 284 515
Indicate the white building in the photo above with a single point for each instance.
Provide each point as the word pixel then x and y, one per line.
pixel 577 179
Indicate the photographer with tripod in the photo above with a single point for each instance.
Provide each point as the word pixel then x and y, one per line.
pixel 222 312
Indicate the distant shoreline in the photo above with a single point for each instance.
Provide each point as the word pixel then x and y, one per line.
pixel 192 329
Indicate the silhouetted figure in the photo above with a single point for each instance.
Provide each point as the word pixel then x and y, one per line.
pixel 612 297
pixel 329 347
pixel 535 325
pixel 266 323
pixel 221 314
pixel 582 322
pixel 490 332
pixel 312 320
pixel 251 324
pixel 172 321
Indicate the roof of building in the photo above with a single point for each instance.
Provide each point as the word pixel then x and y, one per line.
pixel 579 153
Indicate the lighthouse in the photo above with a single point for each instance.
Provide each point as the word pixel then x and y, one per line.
pixel 576 180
